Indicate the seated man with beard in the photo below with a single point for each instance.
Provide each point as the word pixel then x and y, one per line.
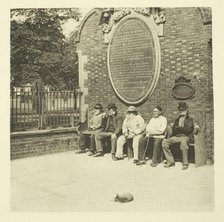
pixel 133 128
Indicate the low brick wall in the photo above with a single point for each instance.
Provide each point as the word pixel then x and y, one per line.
pixel 35 143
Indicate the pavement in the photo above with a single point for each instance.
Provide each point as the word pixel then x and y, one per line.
pixel 69 182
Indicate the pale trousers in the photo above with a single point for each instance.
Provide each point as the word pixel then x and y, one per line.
pixel 183 140
pixel 120 145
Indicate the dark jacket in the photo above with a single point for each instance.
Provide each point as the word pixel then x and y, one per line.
pixel 187 129
pixel 117 123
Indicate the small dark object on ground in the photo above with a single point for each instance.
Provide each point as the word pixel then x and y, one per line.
pixel 124 198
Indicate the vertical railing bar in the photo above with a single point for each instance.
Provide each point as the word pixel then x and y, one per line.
pixel 69 108
pixel 52 102
pixel 28 99
pixel 74 103
pixel 49 106
pixel 46 108
pixel 68 117
pixel 76 94
pixel 12 109
pixel 32 102
pixel 66 108
pixel 16 110
pixel 57 109
pixel 39 109
pixel 25 109
pixel 20 107
pixel 62 103
pixel 59 116
pixel 54 110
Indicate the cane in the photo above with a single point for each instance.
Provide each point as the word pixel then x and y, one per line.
pixel 146 147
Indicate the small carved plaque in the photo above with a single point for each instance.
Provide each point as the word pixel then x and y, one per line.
pixel 183 89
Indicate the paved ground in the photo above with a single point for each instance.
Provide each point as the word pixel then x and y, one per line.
pixel 71 182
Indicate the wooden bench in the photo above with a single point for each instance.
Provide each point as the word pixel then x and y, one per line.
pixel 196 153
pixel 175 151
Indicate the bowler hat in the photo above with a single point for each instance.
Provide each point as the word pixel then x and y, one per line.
pixel 112 106
pixel 132 109
pixel 182 106
pixel 98 106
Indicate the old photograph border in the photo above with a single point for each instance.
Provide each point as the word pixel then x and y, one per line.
pixel 218 55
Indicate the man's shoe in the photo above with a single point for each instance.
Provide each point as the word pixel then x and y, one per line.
pixel 185 166
pixel 135 161
pixel 139 163
pixel 169 165
pixel 153 164
pixel 98 154
pixel 117 158
pixel 80 151
pixel 90 153
pixel 87 150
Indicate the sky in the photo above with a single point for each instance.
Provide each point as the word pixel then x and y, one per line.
pixel 71 25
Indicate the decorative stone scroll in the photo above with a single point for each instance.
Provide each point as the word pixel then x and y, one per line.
pixel 112 16
pixel 134 59
pixel 183 89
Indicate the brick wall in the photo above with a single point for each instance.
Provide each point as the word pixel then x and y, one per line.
pixel 39 143
pixel 184 52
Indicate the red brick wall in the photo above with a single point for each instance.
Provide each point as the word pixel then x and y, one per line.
pixel 35 144
pixel 184 52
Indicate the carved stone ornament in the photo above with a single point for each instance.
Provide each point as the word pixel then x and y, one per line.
pixel 183 89
pixel 111 16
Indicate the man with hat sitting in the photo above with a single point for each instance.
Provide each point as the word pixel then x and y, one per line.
pixel 96 124
pixel 182 132
pixel 112 131
pixel 133 128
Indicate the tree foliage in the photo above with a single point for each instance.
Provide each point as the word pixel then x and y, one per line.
pixel 39 48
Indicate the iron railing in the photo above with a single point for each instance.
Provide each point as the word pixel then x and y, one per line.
pixel 33 109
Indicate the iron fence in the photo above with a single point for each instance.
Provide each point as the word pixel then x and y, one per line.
pixel 34 109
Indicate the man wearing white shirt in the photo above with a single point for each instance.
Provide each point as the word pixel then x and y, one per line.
pixel 132 128
pixel 155 131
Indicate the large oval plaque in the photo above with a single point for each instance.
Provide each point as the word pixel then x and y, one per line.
pixel 134 59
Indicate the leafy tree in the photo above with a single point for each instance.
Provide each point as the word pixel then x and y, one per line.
pixel 39 48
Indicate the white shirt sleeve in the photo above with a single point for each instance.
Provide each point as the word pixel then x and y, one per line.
pixel 148 127
pixel 157 126
pixel 140 125
pixel 124 126
pixel 161 127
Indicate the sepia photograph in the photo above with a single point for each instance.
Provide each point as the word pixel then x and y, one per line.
pixel 111 109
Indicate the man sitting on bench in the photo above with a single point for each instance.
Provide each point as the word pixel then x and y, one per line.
pixel 132 128
pixel 181 133
pixel 155 133
pixel 112 131
pixel 96 125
